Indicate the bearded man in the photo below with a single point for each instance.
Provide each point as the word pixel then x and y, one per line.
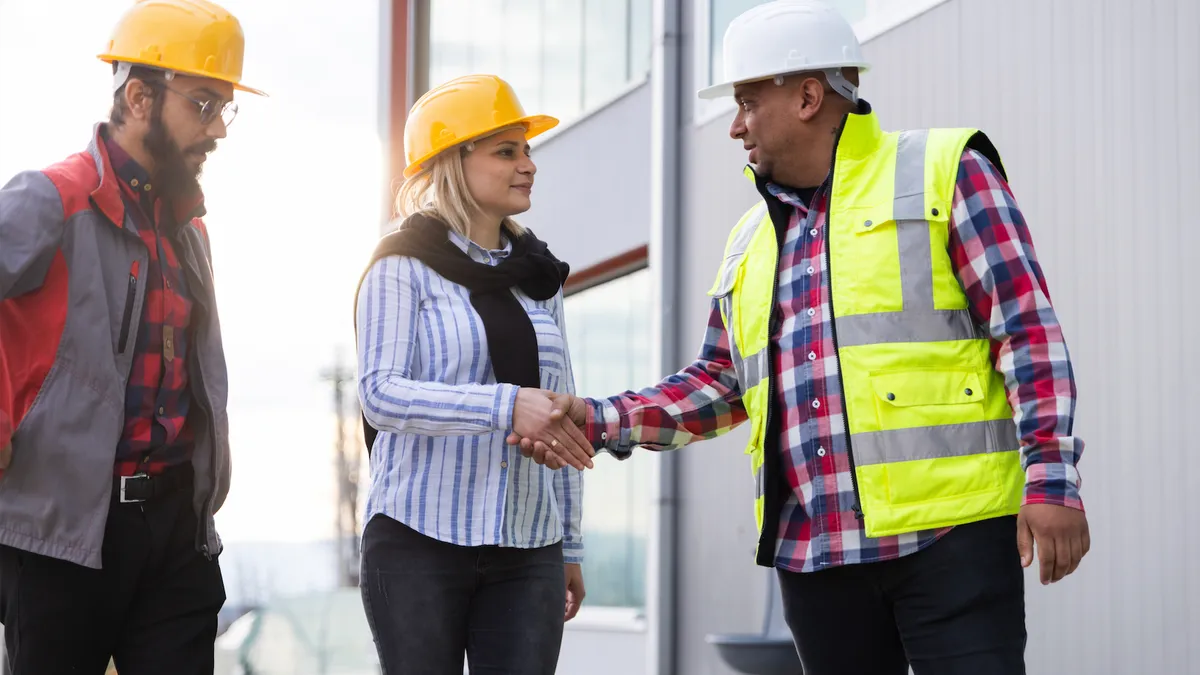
pixel 113 430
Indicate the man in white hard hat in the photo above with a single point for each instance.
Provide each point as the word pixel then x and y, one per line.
pixel 882 322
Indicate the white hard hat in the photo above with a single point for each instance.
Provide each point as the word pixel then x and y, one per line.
pixel 789 36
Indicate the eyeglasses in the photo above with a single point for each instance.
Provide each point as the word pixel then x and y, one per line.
pixel 211 108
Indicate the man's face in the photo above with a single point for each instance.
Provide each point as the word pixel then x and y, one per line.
pixel 179 137
pixel 770 123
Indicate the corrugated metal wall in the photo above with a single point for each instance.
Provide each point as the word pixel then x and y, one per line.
pixel 1093 104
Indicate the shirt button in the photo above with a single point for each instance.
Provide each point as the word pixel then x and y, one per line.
pixel 604 435
pixel 811 270
pixel 816 404
pixel 820 452
pixel 811 311
pixel 813 232
pixel 503 465
pixel 162 410
pixel 812 356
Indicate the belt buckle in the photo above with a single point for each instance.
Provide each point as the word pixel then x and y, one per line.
pixel 124 481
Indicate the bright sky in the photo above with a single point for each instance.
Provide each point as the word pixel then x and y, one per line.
pixel 295 197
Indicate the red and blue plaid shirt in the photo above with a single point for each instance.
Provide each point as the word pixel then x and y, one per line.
pixel 157 397
pixel 994 259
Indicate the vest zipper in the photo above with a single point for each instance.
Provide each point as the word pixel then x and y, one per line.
pixel 768 536
pixel 857 506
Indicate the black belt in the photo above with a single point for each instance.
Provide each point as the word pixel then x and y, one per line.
pixel 144 488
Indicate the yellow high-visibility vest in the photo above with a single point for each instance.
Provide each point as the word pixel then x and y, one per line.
pixel 931 434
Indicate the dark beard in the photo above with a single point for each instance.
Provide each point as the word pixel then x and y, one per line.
pixel 173 179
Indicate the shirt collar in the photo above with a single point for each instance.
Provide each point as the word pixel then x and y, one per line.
pixel 135 180
pixel 798 198
pixel 479 253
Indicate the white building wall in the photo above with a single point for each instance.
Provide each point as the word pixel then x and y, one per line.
pixel 591 194
pixel 1093 107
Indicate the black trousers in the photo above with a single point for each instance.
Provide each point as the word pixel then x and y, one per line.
pixel 428 603
pixel 955 608
pixel 152 608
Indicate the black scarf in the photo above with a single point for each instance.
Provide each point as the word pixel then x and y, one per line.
pixel 511 340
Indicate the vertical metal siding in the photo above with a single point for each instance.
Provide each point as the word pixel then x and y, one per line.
pixel 1093 105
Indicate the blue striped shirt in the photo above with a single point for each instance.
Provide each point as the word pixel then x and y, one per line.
pixel 440 463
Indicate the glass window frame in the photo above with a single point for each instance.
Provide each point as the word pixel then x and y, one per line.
pixel 613 618
pixel 424 66
pixel 882 16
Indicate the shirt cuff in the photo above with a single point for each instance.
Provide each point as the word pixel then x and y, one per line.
pixel 506 402
pixel 1056 484
pixel 603 426
pixel 573 552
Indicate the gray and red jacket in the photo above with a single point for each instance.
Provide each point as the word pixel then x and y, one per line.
pixel 72 284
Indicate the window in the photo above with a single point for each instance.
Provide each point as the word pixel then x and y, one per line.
pixel 608 335
pixel 722 12
pixel 563 58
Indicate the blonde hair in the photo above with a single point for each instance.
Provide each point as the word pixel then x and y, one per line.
pixel 440 190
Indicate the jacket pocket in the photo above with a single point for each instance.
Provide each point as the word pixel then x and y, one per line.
pixel 127 317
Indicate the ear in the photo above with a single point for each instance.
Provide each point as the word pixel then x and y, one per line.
pixel 811 98
pixel 139 99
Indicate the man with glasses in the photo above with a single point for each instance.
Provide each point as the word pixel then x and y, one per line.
pixel 113 429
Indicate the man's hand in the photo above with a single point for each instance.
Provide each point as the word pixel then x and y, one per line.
pixel 575 591
pixel 569 411
pixel 1062 537
pixel 533 420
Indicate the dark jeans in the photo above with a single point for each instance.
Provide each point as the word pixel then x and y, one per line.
pixel 152 608
pixel 955 608
pixel 429 602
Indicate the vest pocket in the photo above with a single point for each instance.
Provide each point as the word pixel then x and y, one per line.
pixel 923 398
pixel 865 260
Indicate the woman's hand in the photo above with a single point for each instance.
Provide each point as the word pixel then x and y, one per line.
pixel 532 419
pixel 575 590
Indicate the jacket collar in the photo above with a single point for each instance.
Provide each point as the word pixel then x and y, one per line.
pixel 107 196
pixel 860 135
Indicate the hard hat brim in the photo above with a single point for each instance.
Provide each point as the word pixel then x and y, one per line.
pixel 725 89
pixel 109 58
pixel 722 90
pixel 535 125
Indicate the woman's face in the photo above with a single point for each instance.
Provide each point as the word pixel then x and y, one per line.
pixel 499 173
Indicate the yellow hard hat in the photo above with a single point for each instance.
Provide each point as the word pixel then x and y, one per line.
pixel 460 110
pixel 189 37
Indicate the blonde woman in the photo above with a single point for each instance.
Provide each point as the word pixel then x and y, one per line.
pixel 469 548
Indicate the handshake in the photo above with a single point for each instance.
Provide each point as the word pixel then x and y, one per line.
pixel 548 427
